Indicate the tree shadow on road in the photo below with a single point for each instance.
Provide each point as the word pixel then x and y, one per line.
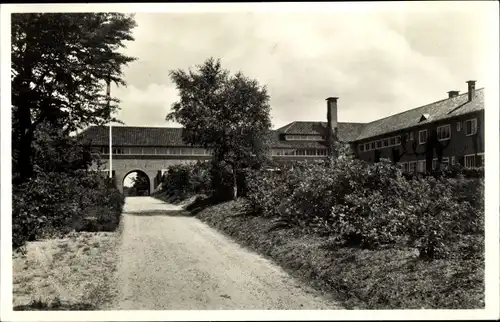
pixel 171 213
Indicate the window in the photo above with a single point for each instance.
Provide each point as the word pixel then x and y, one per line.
pixel 379 144
pixel 421 166
pixel 367 146
pixel 444 132
pixel 289 152
pixel 422 137
pixel 117 150
pixel 321 152
pixel 301 152
pixel 361 148
pixel 393 141
pixel 372 146
pixel 386 142
pixel 470 161
pixel 471 127
pixel 135 150
pixel 398 140
pixel 445 162
pixel 411 136
pixel 412 166
pixel 459 125
pixel 434 164
pixel 311 152
pixel 148 150
pixel 452 160
pixel 405 166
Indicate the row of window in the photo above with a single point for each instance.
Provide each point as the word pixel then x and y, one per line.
pixel 298 152
pixel 304 137
pixel 470 161
pixel 153 150
pixel 201 152
pixel 443 134
pixel 379 144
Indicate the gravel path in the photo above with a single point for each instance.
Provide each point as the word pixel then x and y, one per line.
pixel 169 262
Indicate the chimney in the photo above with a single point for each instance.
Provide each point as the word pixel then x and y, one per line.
pixel 472 89
pixel 452 94
pixel 331 115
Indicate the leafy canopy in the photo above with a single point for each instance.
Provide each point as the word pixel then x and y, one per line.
pixel 61 63
pixel 226 113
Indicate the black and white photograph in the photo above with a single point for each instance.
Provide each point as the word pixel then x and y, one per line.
pixel 250 161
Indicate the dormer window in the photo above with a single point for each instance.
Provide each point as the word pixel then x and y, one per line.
pixel 424 117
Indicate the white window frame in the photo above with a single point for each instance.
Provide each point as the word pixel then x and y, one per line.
pixel 421 166
pixel 474 122
pixel 420 137
pixel 442 127
pixel 459 125
pixel 473 156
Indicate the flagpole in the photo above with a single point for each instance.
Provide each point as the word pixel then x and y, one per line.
pixel 108 93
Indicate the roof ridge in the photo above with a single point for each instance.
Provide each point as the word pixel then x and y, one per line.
pixel 415 108
pixel 289 126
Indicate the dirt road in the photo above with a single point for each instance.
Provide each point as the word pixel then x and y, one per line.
pixel 174 262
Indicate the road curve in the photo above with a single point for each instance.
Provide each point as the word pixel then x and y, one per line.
pixel 174 262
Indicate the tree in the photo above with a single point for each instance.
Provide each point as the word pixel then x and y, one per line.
pixel 140 183
pixel 227 114
pixel 61 63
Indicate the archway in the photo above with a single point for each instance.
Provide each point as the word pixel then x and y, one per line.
pixel 136 183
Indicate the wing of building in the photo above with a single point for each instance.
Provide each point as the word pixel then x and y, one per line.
pixel 452 128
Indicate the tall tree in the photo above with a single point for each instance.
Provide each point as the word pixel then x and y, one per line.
pixel 227 114
pixel 61 63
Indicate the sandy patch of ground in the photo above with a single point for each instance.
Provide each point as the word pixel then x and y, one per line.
pixel 73 271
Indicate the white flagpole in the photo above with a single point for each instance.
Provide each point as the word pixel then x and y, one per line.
pixel 108 93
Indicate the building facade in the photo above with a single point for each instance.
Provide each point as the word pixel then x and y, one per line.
pixel 448 131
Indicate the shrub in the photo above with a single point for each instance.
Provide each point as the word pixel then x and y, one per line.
pixel 370 205
pixel 183 181
pixel 53 204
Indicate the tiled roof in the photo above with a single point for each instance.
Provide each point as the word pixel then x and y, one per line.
pixel 165 136
pixel 433 112
pixel 346 131
pixel 134 136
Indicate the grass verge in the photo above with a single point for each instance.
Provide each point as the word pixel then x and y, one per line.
pixel 72 273
pixel 392 278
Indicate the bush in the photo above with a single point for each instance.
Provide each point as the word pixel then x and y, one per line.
pixel 370 205
pixel 183 181
pixel 52 204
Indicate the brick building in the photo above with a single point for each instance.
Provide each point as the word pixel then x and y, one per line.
pixel 448 131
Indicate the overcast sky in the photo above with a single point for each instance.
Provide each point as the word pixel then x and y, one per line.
pixel 379 61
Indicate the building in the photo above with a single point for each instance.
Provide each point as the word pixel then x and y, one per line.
pixel 448 131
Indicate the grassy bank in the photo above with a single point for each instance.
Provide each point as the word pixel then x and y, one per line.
pixel 389 278
pixel 72 273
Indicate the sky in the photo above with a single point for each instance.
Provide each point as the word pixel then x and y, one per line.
pixel 379 60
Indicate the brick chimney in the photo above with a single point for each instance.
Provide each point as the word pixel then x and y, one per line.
pixel 452 94
pixel 472 89
pixel 331 114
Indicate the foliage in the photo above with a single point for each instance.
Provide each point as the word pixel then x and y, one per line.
pixel 371 205
pixel 140 184
pixel 61 63
pixel 53 151
pixel 185 180
pixel 55 203
pixel 228 114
